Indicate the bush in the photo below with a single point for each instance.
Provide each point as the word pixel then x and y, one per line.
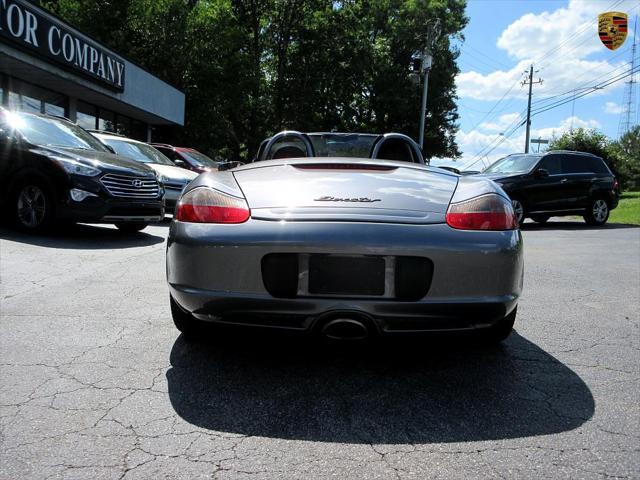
pixel 626 151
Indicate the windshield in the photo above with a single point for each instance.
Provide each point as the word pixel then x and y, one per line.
pixel 53 132
pixel 513 164
pixel 199 159
pixel 356 145
pixel 140 152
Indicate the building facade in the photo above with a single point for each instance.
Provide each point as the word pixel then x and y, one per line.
pixel 48 66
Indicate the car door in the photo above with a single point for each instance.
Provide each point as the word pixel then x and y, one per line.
pixel 577 173
pixel 545 193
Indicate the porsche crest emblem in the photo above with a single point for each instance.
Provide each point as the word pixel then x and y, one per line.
pixel 612 29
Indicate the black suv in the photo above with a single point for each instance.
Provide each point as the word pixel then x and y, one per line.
pixel 51 169
pixel 557 183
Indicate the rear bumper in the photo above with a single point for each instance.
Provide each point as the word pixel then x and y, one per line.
pixel 306 315
pixel 214 272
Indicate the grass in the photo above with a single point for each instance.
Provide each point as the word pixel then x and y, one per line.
pixel 628 210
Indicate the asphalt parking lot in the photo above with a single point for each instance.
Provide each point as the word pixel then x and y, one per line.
pixel 96 382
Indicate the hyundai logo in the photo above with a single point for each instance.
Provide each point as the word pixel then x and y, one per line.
pixel 136 183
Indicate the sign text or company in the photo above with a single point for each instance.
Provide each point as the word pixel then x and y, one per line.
pixel 22 23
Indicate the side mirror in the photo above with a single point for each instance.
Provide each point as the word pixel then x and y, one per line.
pixel 541 173
pixel 180 163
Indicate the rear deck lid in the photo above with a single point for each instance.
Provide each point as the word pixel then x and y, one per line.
pixel 347 190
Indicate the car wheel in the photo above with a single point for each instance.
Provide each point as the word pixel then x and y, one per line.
pixel 519 210
pixel 191 327
pixel 131 227
pixel 540 218
pixel 33 204
pixel 501 330
pixel 597 213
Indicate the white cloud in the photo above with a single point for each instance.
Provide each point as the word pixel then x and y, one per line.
pixel 474 142
pixel 613 108
pixel 558 44
pixel 503 122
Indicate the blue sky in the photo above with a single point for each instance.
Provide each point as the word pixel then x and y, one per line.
pixel 560 38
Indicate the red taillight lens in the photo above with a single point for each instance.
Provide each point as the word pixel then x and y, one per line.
pixel 206 205
pixel 487 212
pixel 616 185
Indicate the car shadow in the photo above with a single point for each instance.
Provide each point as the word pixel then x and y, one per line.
pixel 574 225
pixel 84 237
pixel 385 393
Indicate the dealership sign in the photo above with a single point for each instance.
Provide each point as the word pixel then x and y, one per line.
pixel 38 32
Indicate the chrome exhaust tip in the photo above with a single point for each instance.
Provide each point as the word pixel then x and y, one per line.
pixel 345 329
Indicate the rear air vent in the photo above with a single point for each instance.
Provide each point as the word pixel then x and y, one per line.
pixel 287 275
pixel 280 274
pixel 413 277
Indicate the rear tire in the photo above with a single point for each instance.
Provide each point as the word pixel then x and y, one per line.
pixel 597 213
pixel 501 330
pixel 540 218
pixel 520 210
pixel 131 227
pixel 189 326
pixel 32 205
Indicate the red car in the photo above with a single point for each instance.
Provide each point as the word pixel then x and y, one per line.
pixel 189 158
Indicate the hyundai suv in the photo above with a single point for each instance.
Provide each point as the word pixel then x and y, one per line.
pixel 51 169
pixel 557 183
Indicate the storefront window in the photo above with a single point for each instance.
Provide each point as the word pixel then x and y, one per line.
pixel 124 125
pixel 107 121
pixel 53 109
pixel 29 98
pixel 86 116
pixel 24 103
pixel 138 130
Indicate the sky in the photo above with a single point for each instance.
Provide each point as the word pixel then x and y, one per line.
pixel 560 38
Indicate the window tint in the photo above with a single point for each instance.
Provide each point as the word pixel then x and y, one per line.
pixel 575 164
pixel 551 164
pixel 169 153
pixel 137 151
pixel 46 131
pixel 597 166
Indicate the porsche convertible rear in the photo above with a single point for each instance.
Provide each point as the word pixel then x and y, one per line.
pixel 346 248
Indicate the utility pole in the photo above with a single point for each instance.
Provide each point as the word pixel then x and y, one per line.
pixel 427 61
pixel 431 37
pixel 530 82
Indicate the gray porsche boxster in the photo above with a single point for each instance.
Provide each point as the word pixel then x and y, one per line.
pixel 346 236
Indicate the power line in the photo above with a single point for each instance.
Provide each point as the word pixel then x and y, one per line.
pixel 628 104
pixel 579 87
pixel 600 86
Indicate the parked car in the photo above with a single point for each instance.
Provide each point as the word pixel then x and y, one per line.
pixel 51 169
pixel 309 240
pixel 557 183
pixel 188 158
pixel 172 178
pixel 455 166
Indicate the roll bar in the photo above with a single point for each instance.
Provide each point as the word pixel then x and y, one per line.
pixel 288 133
pixel 375 149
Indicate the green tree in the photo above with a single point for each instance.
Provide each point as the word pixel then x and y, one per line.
pixel 626 151
pixel 252 67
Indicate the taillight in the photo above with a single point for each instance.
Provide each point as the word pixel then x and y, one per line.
pixel 206 205
pixel 487 212
pixel 616 185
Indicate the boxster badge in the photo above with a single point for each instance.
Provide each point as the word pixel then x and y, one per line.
pixel 612 29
